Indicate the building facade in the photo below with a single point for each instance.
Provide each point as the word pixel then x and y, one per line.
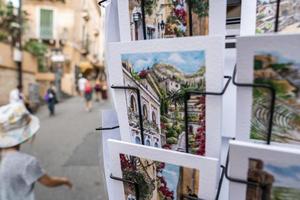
pixel 9 72
pixel 150 109
pixel 72 30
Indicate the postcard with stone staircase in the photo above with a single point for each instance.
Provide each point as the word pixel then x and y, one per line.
pixel 275 170
pixel 164 71
pixel 160 174
pixel 170 18
pixel 259 16
pixel 276 64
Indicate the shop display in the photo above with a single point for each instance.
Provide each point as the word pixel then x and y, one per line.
pixel 163 71
pixel 161 174
pixel 272 60
pixel 170 19
pixel 277 168
pixel 259 16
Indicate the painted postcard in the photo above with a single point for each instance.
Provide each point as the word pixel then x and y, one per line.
pixel 161 174
pixel 260 16
pixel 281 180
pixel 271 60
pixel 283 74
pixel 163 79
pixel 158 180
pixel 274 170
pixel 166 18
pixel 164 71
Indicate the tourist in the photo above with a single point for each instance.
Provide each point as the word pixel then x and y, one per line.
pixel 88 95
pixel 19 172
pixel 81 84
pixel 98 89
pixel 51 99
pixel 17 96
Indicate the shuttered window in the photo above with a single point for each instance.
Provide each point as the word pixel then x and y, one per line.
pixel 46 24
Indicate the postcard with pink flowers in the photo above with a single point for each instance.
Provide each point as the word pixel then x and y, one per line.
pixel 152 19
pixel 160 174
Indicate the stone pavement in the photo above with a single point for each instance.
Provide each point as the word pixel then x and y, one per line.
pixel 68 145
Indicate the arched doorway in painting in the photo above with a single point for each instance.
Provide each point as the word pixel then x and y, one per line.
pixel 148 143
pixel 145 112
pixel 133 104
pixel 137 140
pixel 154 117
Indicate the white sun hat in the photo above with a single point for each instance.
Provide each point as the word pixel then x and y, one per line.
pixel 17 125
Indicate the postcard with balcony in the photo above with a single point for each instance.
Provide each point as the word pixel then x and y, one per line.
pixel 275 170
pixel 259 16
pixel 163 71
pixel 160 174
pixel 270 60
pixel 170 18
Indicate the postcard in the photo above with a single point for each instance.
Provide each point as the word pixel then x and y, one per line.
pixel 259 16
pixel 274 169
pixel 151 19
pixel 161 174
pixel 270 60
pixel 163 71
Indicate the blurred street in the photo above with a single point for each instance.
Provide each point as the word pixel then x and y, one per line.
pixel 68 145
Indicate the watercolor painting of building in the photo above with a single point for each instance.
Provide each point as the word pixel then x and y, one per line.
pixel 280 180
pixel 163 79
pixel 168 18
pixel 158 180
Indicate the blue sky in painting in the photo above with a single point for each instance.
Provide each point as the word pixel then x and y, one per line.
pixel 285 175
pixel 188 62
pixel 171 174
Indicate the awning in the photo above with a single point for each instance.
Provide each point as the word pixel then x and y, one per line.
pixel 85 65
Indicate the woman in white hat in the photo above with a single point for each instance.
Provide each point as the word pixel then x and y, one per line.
pixel 19 171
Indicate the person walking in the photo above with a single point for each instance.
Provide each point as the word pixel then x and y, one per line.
pixel 81 84
pixel 51 99
pixel 88 95
pixel 19 172
pixel 17 96
pixel 98 90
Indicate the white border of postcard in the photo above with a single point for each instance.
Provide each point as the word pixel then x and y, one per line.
pixel 248 17
pixel 217 16
pixel 241 152
pixel 212 45
pixel 208 167
pixel 246 47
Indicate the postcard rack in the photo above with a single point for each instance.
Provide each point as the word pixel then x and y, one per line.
pixel 224 169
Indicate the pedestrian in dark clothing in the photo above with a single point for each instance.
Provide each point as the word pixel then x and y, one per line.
pixel 51 100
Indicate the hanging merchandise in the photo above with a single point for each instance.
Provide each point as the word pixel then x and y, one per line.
pixel 163 72
pixel 271 60
pixel 152 173
pixel 272 172
pixel 152 19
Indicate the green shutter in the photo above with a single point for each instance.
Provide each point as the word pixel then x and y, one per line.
pixel 46 24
